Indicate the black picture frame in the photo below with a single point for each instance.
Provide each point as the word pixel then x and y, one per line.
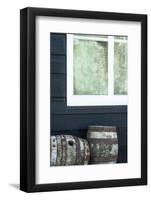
pixel 28 98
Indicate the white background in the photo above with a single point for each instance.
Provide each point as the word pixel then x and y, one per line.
pixel 9 99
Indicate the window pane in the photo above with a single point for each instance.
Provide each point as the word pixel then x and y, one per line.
pixel 120 68
pixel 90 67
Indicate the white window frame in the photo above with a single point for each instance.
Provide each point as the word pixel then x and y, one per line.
pixel 93 100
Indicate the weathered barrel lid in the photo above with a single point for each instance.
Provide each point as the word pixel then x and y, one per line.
pixel 102 128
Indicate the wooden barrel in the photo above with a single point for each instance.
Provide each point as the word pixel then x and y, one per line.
pixel 68 150
pixel 103 144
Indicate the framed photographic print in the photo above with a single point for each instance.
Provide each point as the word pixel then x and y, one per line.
pixel 83 99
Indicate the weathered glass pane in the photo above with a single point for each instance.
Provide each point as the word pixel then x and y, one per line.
pixel 120 68
pixel 90 67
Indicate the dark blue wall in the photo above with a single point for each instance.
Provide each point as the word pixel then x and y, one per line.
pixel 75 120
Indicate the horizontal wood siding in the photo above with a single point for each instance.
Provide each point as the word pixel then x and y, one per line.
pixel 59 107
pixel 74 120
pixel 82 121
pixel 58 86
pixel 58 64
pixel 58 44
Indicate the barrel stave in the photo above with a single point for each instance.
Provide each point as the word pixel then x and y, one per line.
pixel 68 150
pixel 103 143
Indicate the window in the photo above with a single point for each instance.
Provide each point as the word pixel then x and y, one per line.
pixel 97 68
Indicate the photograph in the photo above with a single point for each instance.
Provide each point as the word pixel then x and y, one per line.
pixel 98 68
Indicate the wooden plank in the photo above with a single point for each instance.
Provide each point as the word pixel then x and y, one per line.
pixel 122 135
pixel 122 155
pixel 123 138
pixel 124 119
pixel 82 121
pixel 58 43
pixel 59 106
pixel 58 64
pixel 78 133
pixel 58 86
